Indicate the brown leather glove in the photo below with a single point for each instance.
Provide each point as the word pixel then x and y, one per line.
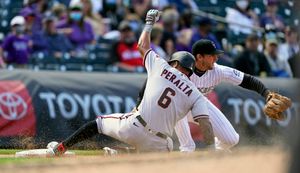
pixel 276 104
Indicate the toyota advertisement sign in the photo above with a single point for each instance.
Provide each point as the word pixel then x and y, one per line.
pixel 17 116
pixel 48 106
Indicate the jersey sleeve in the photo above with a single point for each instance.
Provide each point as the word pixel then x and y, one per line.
pixel 231 75
pixel 153 61
pixel 200 108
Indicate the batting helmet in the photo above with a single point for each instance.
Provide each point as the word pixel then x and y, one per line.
pixel 185 59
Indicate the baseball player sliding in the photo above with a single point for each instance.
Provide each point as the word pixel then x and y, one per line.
pixel 209 74
pixel 169 96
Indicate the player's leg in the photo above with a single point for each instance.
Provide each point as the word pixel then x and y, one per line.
pixel 183 133
pixel 127 128
pixel 226 135
pixel 86 131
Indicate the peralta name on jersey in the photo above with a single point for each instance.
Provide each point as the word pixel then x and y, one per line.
pixel 177 82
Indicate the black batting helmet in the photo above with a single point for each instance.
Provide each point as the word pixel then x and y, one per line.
pixel 185 59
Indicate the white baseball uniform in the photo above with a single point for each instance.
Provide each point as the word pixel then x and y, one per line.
pixel 168 97
pixel 225 134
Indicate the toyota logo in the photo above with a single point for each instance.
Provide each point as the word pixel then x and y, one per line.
pixel 12 106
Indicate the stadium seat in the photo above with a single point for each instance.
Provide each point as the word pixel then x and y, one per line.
pixel 69 63
pixel 43 62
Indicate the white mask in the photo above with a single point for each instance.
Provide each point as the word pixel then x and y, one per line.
pixel 242 4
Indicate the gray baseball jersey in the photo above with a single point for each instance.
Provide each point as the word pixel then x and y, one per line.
pixel 168 96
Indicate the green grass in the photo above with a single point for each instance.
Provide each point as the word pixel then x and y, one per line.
pixel 8 151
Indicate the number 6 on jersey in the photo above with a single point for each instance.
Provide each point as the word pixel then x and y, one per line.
pixel 165 99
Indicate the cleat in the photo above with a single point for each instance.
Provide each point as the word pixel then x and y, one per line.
pixel 55 149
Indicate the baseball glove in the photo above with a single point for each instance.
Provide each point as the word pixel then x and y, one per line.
pixel 276 104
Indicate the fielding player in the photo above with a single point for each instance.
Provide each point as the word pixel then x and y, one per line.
pixel 169 95
pixel 209 74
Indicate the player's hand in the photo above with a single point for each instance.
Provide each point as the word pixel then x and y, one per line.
pixel 152 16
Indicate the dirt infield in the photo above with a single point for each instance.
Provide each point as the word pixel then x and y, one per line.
pixel 243 160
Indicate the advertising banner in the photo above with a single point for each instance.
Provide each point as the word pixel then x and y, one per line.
pixel 47 105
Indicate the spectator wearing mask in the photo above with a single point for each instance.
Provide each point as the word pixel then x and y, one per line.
pixel 251 61
pixel 279 67
pixel 241 21
pixel 79 32
pixel 270 17
pixel 16 46
pixel 53 37
pixel 125 52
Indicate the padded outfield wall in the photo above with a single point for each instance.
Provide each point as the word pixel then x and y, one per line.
pixel 39 107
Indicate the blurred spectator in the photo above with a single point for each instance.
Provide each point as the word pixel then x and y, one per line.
pixel 52 38
pixel 93 18
pixel 185 4
pixel 34 33
pixel 185 31
pixel 113 11
pixel 160 4
pixel 156 36
pixel 241 21
pixel 185 19
pixel 59 11
pixel 79 32
pixel 16 46
pixel 33 12
pixel 251 61
pixel 291 47
pixel 271 16
pixel 279 67
pixel 183 40
pixel 169 20
pixel 97 5
pixel 33 24
pixel 126 54
pixel 204 31
pixel 135 22
pixel 140 7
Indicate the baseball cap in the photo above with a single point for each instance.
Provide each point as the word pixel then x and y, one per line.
pixel 27 12
pixel 205 46
pixel 17 20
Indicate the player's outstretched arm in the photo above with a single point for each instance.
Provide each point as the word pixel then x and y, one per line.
pixel 144 40
pixel 207 130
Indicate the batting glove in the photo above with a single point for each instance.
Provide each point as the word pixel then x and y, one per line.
pixel 151 17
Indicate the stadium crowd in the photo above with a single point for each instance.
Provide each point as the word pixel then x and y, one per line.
pixel 101 35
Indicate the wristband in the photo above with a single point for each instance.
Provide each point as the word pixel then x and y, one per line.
pixel 148 28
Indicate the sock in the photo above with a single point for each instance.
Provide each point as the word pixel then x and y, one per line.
pixel 86 131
